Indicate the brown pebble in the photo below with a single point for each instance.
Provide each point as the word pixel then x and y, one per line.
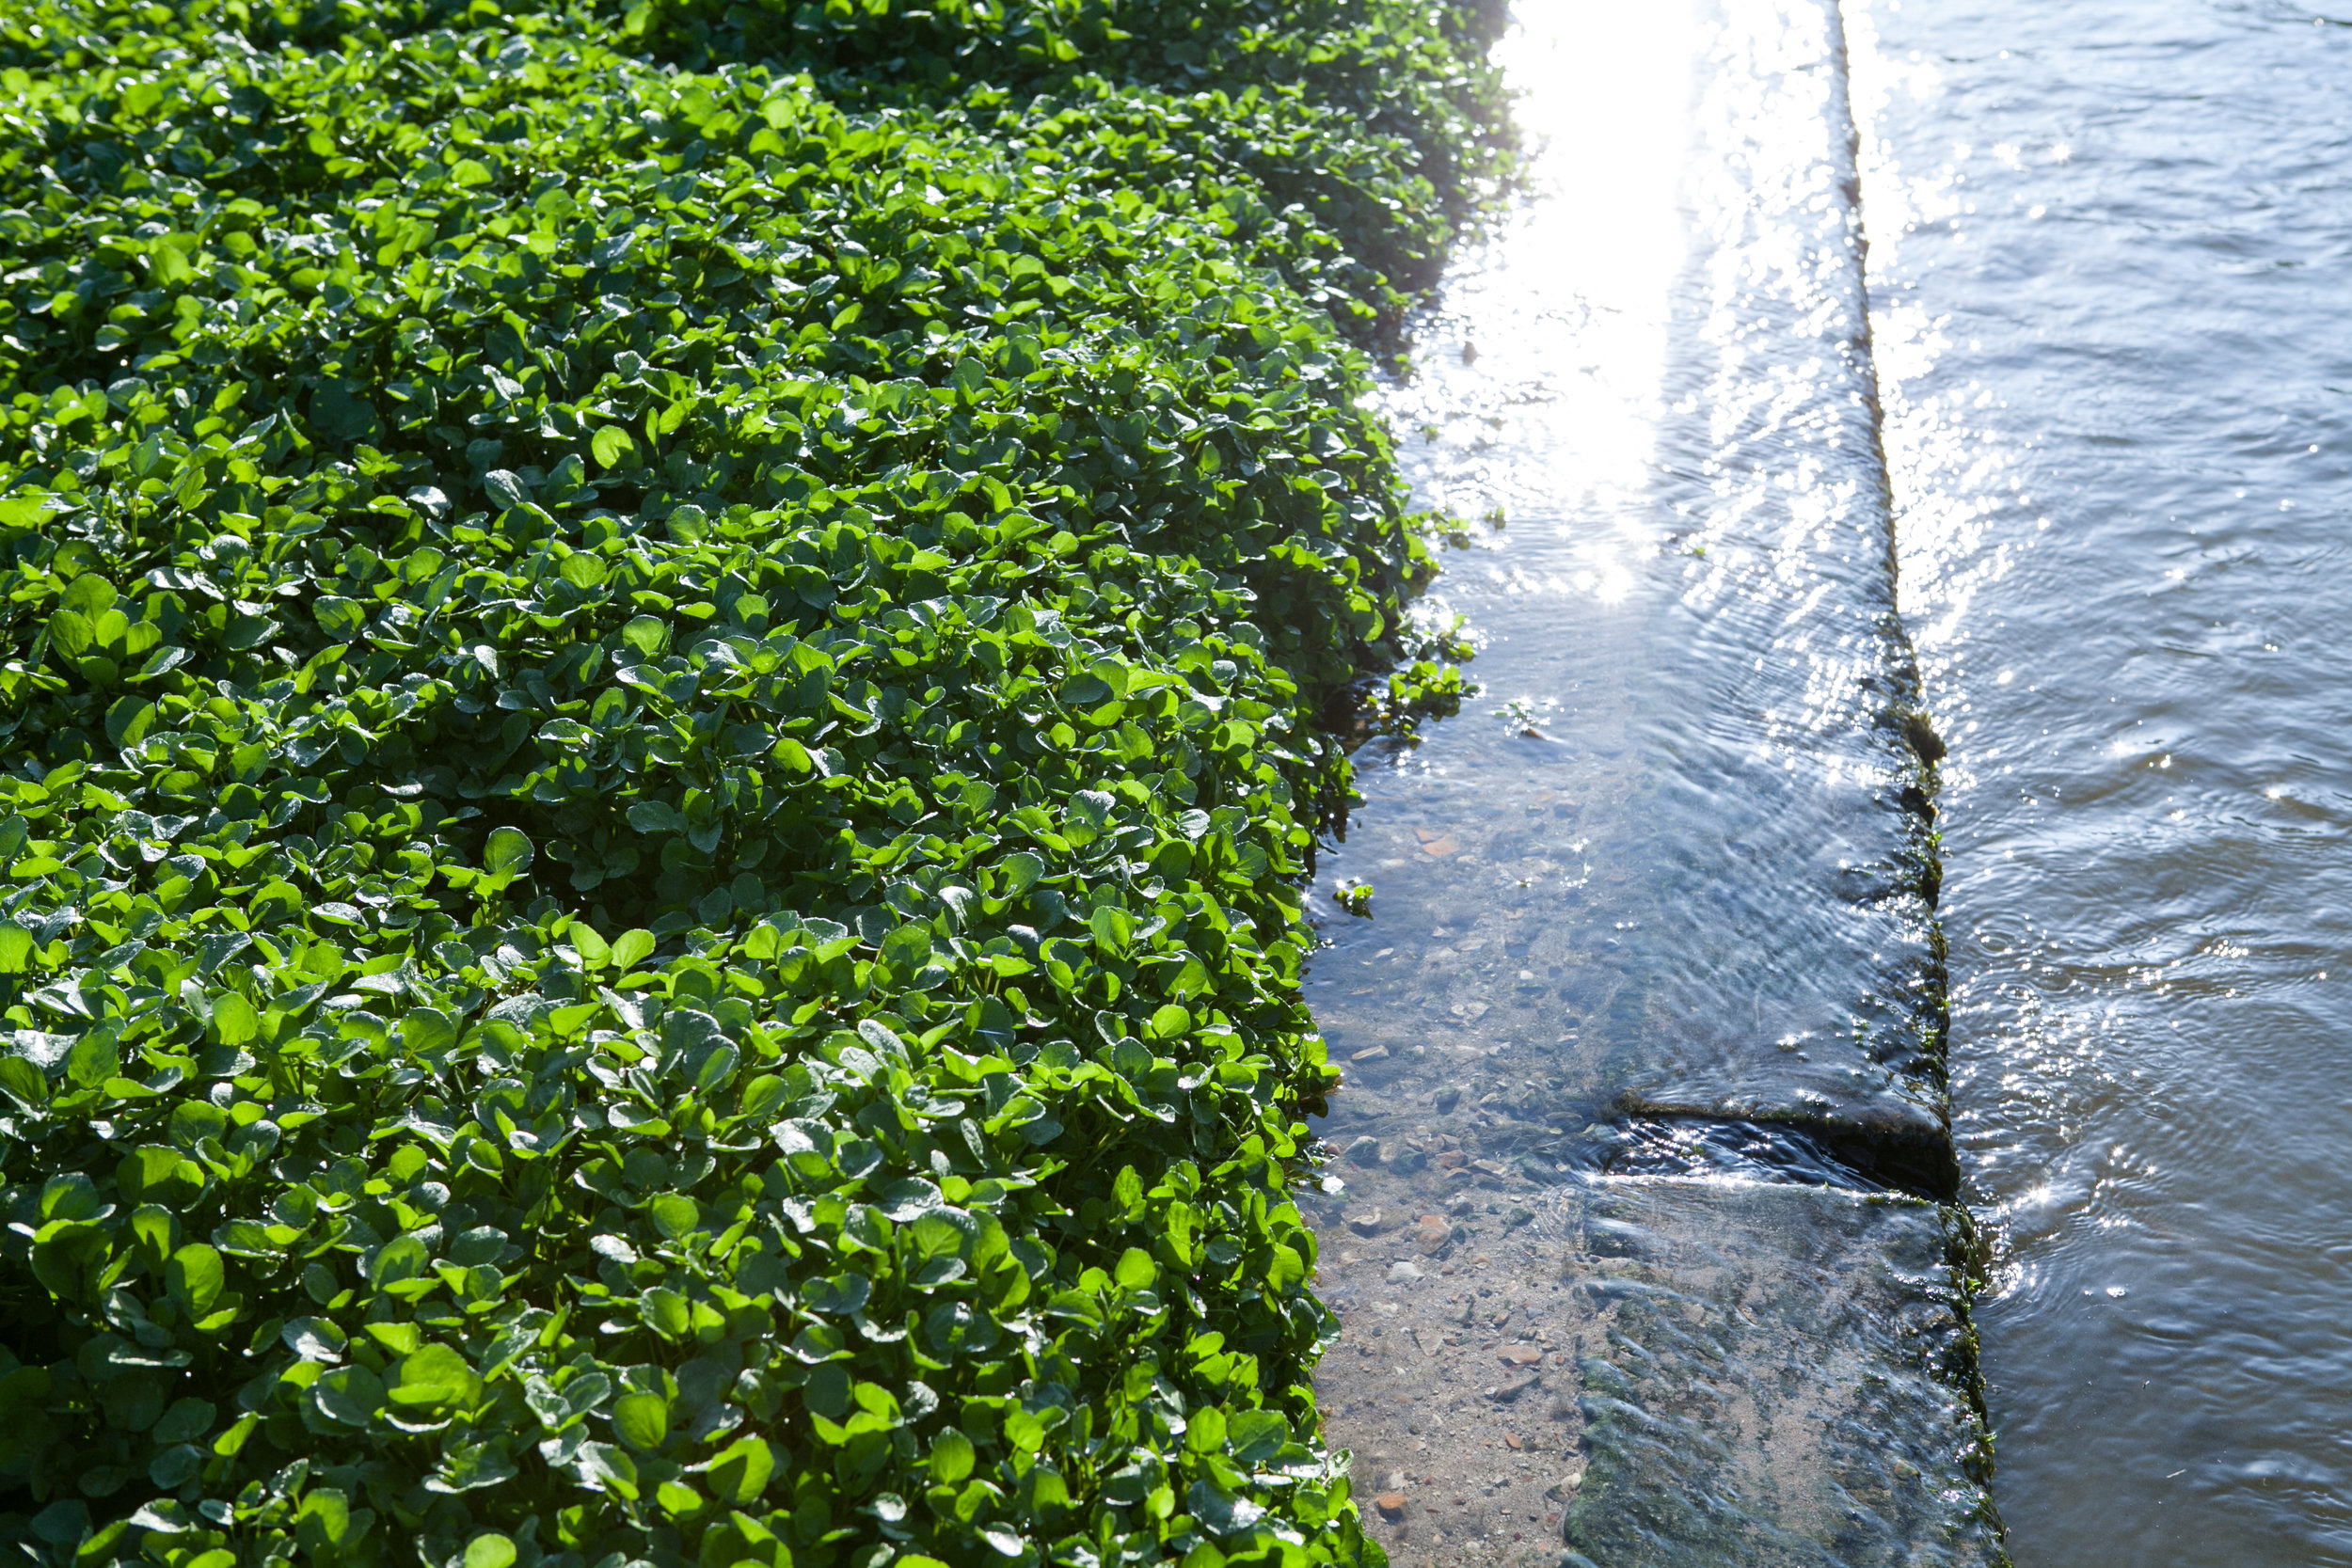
pixel 1392 1505
pixel 1442 847
pixel 1371 1054
pixel 1512 1438
pixel 1521 1356
pixel 1519 1384
pixel 1431 1234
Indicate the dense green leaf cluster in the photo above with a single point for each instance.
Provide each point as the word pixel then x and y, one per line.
pixel 665 685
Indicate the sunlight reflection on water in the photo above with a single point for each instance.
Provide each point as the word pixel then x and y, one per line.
pixel 1650 902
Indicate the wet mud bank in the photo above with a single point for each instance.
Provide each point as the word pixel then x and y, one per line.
pixel 1641 1221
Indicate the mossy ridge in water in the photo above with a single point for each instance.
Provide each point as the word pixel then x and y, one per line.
pixel 1778 1378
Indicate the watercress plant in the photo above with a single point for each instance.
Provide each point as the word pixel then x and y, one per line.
pixel 667 672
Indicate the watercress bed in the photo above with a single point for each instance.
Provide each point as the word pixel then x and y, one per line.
pixel 667 671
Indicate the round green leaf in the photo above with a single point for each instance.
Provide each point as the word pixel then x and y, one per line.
pixel 741 1471
pixel 193 1277
pixel 350 1395
pixel 234 1019
pixel 612 446
pixel 436 1378
pixel 129 720
pixel 632 948
pixel 593 949
pixel 508 853
pixel 646 635
pixel 71 632
pixel 641 1420
pixel 951 1456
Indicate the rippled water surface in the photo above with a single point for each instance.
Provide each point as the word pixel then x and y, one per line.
pixel 2111 270
pixel 1654 902
pixel 1659 865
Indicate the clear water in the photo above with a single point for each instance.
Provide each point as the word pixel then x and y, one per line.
pixel 1659 871
pixel 1653 904
pixel 2109 272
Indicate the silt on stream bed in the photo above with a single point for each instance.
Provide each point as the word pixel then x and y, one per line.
pixel 1651 990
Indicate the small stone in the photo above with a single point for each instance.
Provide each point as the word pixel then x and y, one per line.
pixel 1371 1054
pixel 1521 1356
pixel 1453 1159
pixel 1513 1440
pixel 1505 1392
pixel 1431 1234
pixel 1403 1274
pixel 1364 1152
pixel 1489 1168
pixel 1448 1097
pixel 1391 1506
pixel 1365 1222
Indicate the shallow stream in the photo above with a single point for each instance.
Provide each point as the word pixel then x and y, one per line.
pixel 1658 900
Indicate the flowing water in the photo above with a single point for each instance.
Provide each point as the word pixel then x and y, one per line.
pixel 2110 253
pixel 1652 918
pixel 1665 868
pixel 1649 1002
